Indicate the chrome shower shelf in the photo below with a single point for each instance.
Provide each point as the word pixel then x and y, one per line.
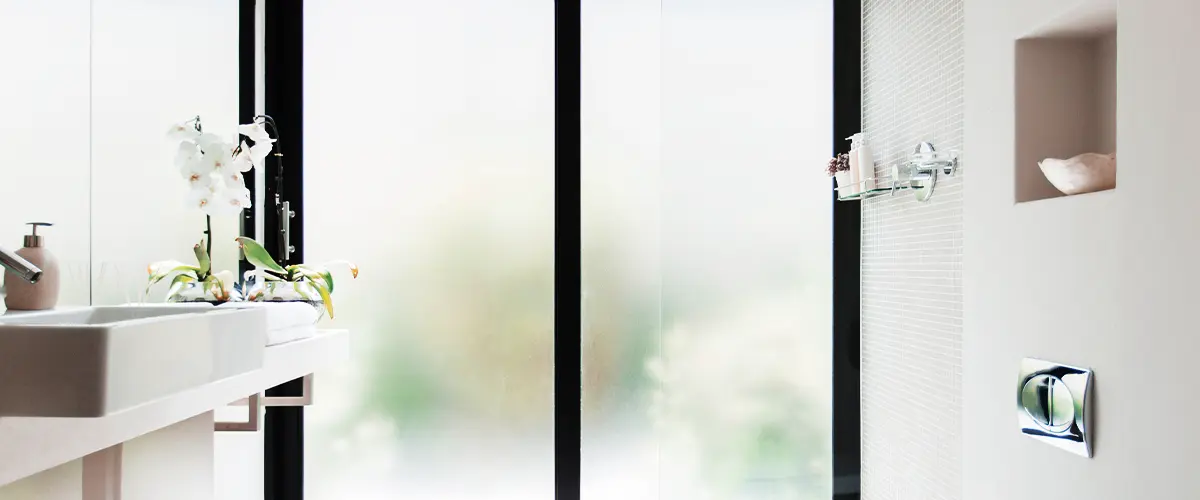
pixel 854 192
pixel 919 173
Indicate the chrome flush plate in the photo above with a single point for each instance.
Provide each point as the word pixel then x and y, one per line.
pixel 1053 405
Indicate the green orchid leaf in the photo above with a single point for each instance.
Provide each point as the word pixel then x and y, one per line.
pixel 257 255
pixel 325 297
pixel 313 273
pixel 296 286
pixel 328 279
pixel 179 282
pixel 202 258
pixel 162 269
pixel 320 278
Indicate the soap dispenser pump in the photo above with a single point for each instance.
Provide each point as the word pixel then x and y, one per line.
pixel 22 295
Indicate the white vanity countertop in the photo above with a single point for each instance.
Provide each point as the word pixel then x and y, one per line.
pixel 31 445
pixel 193 305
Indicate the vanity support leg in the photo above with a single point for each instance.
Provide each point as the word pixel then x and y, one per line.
pixel 102 474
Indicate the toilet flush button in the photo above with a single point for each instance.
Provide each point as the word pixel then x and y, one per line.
pixel 1052 404
pixel 1048 401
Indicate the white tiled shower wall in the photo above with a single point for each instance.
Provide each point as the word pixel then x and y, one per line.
pixel 912 76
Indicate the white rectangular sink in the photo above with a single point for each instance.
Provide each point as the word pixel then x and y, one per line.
pixel 94 361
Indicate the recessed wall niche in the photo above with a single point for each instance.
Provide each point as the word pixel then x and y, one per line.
pixel 1066 96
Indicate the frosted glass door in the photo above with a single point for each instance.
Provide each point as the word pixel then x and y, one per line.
pixel 429 161
pixel 707 234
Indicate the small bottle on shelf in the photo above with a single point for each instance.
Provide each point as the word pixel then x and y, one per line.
pixel 861 162
pixel 855 180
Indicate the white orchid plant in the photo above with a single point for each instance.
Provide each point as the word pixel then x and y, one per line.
pixel 316 276
pixel 213 168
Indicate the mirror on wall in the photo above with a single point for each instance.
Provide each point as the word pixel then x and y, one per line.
pixel 45 117
pixel 88 94
pixel 145 78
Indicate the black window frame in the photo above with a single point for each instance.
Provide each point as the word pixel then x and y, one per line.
pixel 847 248
pixel 282 42
pixel 568 364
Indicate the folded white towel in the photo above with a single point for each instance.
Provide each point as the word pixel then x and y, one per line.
pixel 282 315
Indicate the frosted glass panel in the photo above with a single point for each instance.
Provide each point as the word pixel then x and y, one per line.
pixel 429 154
pixel 620 262
pixel 707 235
pixel 744 402
pixel 155 64
pixel 44 133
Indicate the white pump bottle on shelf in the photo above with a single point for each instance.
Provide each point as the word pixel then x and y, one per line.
pixel 861 161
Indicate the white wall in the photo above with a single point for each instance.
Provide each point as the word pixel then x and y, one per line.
pixel 155 63
pixel 1101 280
pixel 44 133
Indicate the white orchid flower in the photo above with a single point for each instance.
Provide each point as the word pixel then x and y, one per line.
pixel 198 173
pixel 219 157
pixel 202 197
pixel 230 201
pixel 197 180
pixel 184 131
pixel 255 131
pixel 233 179
pixel 239 196
pixel 210 142
pixel 214 168
pixel 241 160
pixel 257 154
pixel 187 153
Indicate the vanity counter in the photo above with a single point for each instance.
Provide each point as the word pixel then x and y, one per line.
pixel 32 445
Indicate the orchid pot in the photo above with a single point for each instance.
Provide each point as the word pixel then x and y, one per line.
pixel 285 291
pixel 212 293
pixel 271 282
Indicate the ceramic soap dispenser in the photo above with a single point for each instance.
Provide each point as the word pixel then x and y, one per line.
pixel 22 295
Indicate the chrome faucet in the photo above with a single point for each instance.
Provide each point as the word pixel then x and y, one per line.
pixel 19 266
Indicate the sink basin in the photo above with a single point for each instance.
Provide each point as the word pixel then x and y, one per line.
pixel 93 361
pixel 98 315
